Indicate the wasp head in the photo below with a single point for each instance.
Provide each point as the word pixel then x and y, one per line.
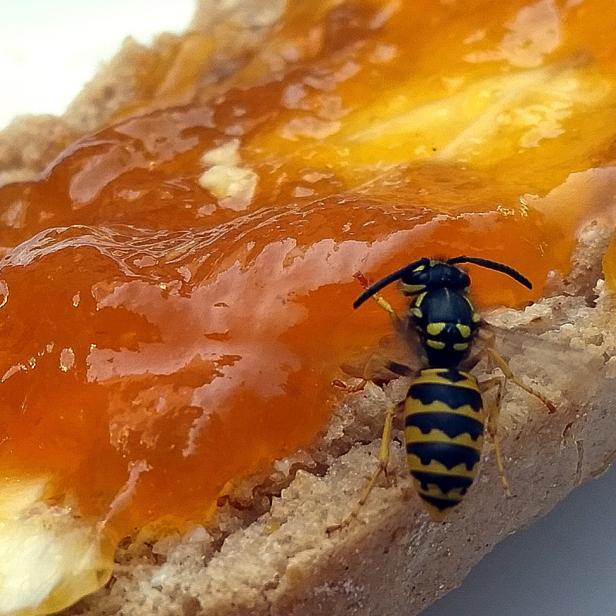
pixel 433 275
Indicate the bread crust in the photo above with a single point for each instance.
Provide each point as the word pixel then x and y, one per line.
pixel 268 551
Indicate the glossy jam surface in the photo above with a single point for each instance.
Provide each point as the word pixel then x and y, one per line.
pixel 176 290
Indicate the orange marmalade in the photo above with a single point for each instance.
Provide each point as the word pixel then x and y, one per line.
pixel 176 289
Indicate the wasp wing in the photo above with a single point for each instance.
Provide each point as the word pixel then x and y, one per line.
pixel 543 355
pixel 397 354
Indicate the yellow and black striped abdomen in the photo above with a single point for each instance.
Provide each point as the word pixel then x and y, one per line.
pixel 444 422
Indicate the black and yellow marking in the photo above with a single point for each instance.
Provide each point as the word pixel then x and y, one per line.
pixel 444 426
pixel 412 289
pixel 449 454
pixel 451 424
pixel 452 395
pixel 465 330
pixel 444 319
pixel 435 329
pixel 475 316
pixel 445 418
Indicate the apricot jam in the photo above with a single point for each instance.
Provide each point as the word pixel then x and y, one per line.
pixel 176 289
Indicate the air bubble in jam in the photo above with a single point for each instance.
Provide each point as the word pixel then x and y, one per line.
pixel 194 309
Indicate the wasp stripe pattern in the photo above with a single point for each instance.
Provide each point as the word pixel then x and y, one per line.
pixel 445 418
pixel 444 424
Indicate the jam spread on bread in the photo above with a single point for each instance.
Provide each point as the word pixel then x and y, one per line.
pixel 176 288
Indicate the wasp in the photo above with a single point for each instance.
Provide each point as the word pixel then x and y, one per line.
pixel 445 418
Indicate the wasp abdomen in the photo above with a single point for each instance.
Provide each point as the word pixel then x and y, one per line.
pixel 444 435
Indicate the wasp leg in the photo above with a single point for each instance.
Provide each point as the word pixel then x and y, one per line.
pixel 506 370
pixel 384 453
pixel 492 428
pixel 488 336
pixel 395 367
pixel 380 300
pixel 375 362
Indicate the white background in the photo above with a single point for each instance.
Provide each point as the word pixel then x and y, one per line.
pixel 564 565
pixel 50 48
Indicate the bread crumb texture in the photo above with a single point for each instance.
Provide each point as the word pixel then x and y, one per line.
pixel 267 551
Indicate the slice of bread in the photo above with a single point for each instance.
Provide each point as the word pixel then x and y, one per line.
pixel 268 551
pixel 393 560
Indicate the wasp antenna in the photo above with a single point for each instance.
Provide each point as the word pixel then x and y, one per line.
pixel 383 282
pixel 494 265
